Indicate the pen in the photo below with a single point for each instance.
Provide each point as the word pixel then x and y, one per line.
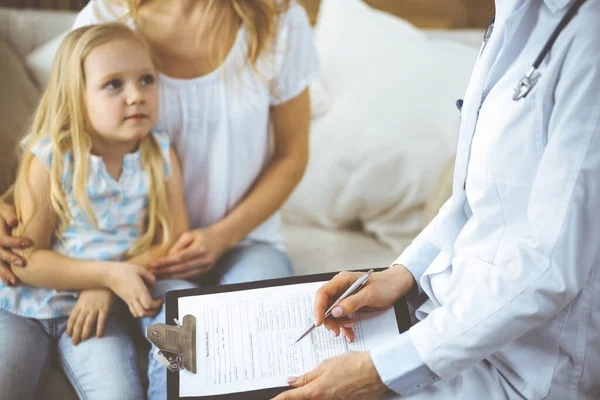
pixel 355 287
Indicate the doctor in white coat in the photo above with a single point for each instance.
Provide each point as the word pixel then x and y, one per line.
pixel 510 266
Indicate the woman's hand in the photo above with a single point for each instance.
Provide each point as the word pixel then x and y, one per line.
pixel 129 281
pixel 194 254
pixel 351 376
pixel 8 221
pixel 91 309
pixel 381 291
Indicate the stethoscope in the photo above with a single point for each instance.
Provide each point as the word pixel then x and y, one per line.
pixel 528 82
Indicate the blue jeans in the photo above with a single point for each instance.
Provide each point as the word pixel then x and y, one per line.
pixel 98 368
pixel 244 263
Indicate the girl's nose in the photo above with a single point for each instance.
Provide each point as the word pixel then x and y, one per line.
pixel 134 95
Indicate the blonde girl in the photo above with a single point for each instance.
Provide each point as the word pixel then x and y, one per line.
pixel 94 192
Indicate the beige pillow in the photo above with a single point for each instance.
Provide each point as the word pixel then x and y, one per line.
pixel 18 99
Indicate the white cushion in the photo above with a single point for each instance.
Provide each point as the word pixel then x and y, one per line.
pixel 39 62
pixel 315 250
pixel 391 127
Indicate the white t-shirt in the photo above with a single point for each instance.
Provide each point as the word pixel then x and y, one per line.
pixel 219 122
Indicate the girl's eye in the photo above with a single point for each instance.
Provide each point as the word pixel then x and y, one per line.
pixel 147 80
pixel 114 84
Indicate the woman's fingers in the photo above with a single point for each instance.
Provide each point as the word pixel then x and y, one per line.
pixel 196 266
pixel 7 275
pixel 13 242
pixel 8 215
pixel 184 241
pixel 8 242
pixel 174 260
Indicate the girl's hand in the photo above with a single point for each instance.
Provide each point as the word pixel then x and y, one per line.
pixel 91 309
pixel 382 290
pixel 8 243
pixel 129 281
pixel 194 254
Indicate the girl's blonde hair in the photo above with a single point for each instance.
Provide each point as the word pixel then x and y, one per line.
pixel 61 116
pixel 259 17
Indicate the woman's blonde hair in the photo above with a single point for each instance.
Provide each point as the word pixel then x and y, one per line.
pixel 259 17
pixel 61 116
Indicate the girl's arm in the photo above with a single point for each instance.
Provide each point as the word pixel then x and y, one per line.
pixel 178 215
pixel 291 122
pixel 46 268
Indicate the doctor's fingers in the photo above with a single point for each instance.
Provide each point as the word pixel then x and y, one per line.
pixel 331 290
pixel 336 325
pixel 306 386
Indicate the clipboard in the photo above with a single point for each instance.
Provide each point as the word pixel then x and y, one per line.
pixel 172 312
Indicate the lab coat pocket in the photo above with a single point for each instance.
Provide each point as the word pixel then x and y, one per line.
pixel 514 201
pixel 482 235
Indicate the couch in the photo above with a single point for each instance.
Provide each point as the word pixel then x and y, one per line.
pixel 382 137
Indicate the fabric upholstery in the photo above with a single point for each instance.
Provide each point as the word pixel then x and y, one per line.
pixel 17 103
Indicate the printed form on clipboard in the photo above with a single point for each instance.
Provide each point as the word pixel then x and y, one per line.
pixel 245 339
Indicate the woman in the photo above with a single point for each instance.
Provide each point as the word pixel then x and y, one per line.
pixel 233 98
pixel 510 264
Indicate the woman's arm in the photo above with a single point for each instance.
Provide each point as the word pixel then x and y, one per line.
pixel 291 123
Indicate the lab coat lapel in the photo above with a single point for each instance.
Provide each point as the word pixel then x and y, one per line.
pixel 480 84
pixel 470 110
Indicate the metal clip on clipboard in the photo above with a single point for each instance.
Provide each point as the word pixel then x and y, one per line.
pixel 176 345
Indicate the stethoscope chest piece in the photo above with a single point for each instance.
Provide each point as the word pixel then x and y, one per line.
pixel 526 84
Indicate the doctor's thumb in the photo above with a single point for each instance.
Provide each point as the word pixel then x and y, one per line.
pixel 349 305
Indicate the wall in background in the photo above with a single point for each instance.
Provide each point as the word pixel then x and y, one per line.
pixel 446 14
pixel 443 14
pixel 46 4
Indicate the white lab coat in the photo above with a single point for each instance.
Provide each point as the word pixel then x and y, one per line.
pixel 514 293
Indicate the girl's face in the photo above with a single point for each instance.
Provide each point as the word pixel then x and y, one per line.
pixel 121 93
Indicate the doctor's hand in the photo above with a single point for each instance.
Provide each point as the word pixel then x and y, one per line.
pixel 9 221
pixel 351 376
pixel 194 254
pixel 382 290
